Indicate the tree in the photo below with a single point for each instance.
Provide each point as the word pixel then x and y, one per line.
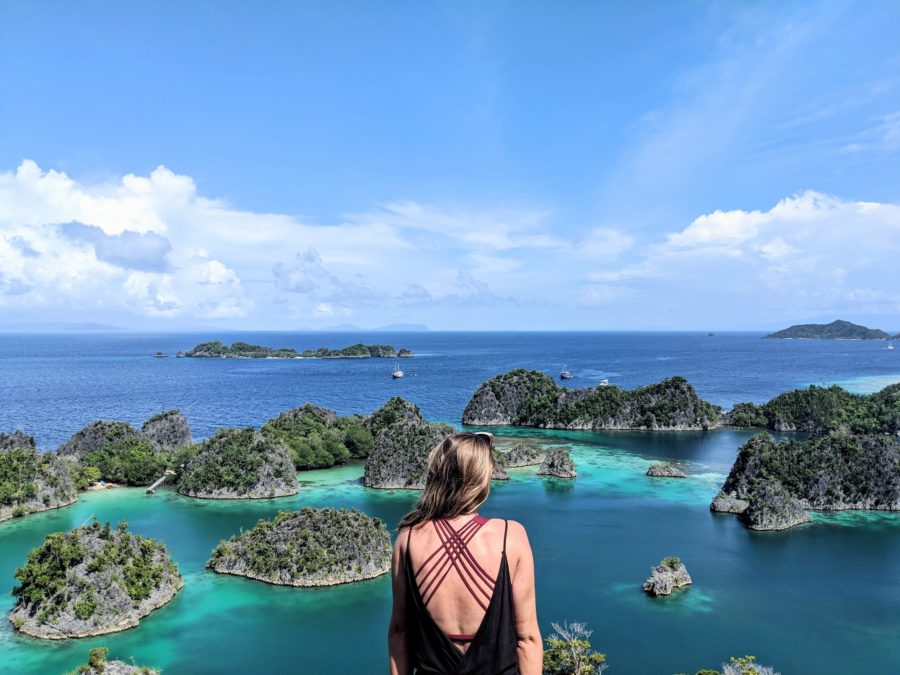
pixel 568 651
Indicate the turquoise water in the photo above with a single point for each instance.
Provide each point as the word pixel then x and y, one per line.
pixel 821 598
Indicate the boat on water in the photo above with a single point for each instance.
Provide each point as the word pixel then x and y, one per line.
pixel 604 382
pixel 159 355
pixel 397 374
pixel 890 344
pixel 565 374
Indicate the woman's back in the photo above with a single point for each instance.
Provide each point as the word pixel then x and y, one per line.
pixel 455 565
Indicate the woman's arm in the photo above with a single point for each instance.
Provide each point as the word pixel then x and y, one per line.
pixel 399 663
pixel 530 646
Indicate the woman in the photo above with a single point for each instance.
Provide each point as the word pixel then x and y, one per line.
pixel 463 585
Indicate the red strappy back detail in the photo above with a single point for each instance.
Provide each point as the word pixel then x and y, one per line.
pixel 454 554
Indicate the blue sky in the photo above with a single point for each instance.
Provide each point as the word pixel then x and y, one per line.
pixel 537 165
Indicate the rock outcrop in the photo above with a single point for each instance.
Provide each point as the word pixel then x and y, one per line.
pixel 32 481
pixel 499 472
pixel 558 463
pixel 725 502
pixel 96 436
pixel 310 547
pixel 780 480
pixel 98 665
pixel 91 581
pixel 239 464
pixel 403 440
pixel 772 507
pixel 665 471
pixel 533 399
pixel 669 575
pixel 167 431
pixel 522 454
pixel 15 439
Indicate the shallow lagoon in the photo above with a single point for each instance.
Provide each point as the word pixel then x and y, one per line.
pixel 822 598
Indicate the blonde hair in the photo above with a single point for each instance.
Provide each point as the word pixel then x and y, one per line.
pixel 458 478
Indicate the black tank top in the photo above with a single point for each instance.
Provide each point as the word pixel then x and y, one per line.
pixel 493 648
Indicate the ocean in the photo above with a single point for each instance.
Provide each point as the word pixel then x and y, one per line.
pixel 822 598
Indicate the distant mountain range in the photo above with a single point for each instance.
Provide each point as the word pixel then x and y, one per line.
pixel 836 330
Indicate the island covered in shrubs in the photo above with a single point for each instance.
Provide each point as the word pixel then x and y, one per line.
pixel 243 350
pixel 91 581
pixel 310 547
pixel 533 399
pixel 31 481
pixel 836 330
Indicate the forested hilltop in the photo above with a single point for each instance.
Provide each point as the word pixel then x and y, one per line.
pixel 533 399
pixel 243 350
pixel 821 410
pixel 836 330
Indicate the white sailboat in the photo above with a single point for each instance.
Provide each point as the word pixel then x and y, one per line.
pixel 397 374
pixel 565 374
pixel 890 344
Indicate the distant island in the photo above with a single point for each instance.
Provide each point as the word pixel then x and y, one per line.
pixel 836 330
pixel 310 547
pixel 244 350
pixel 529 398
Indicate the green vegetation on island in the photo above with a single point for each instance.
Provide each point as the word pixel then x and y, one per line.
pixel 97 664
pixel 317 438
pixel 836 330
pixel 243 350
pixel 310 547
pixel 31 481
pixel 239 464
pixel 90 581
pixel 533 399
pixel 821 410
pixel 772 483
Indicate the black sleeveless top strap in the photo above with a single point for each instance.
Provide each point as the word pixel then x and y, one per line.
pixel 493 647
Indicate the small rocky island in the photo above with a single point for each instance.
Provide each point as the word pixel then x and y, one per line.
pixel 239 464
pixel 558 463
pixel 402 442
pixel 773 483
pixel 533 399
pixel 31 481
pixel 243 350
pixel 821 410
pixel 523 454
pixel 97 664
pixel 91 581
pixel 666 471
pixel 836 330
pixel 668 576
pixel 310 547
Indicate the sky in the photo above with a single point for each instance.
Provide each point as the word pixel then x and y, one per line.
pixel 464 165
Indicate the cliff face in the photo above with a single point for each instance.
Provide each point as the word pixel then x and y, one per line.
pixel 91 581
pixel 96 436
pixel 15 439
pixel 529 398
pixel 778 480
pixel 666 577
pixel 239 464
pixel 32 481
pixel 167 431
pixel 403 440
pixel 311 547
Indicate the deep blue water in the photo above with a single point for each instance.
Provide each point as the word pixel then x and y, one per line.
pixel 52 385
pixel 823 598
